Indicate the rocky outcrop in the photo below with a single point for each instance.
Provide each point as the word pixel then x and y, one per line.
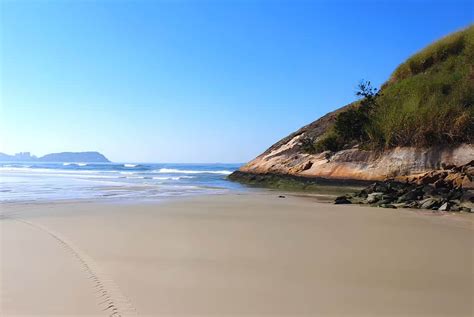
pixel 422 104
pixel 448 189
pixel 287 158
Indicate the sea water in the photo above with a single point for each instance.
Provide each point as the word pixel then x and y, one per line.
pixel 32 181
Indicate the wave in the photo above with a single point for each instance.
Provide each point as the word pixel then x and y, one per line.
pixel 15 166
pixel 35 171
pixel 130 165
pixel 77 164
pixel 54 173
pixel 178 171
pixel 161 178
pixel 175 178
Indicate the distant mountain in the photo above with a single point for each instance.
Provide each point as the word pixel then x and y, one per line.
pixel 90 157
pixel 74 157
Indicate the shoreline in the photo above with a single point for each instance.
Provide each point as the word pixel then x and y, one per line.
pixel 233 255
pixel 289 181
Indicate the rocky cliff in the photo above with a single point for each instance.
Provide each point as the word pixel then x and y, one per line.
pixel 356 164
pixel 421 119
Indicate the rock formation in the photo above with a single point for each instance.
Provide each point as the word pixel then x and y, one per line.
pixel 448 189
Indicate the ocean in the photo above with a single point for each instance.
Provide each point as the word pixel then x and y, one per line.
pixel 34 181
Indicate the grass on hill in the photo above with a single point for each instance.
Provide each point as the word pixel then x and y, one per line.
pixel 429 100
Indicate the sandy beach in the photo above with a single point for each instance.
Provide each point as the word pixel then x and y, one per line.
pixel 250 254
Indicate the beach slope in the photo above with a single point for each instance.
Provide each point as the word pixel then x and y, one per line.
pixel 234 255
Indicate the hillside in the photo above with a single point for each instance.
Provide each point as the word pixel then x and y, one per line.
pixel 92 157
pixel 420 119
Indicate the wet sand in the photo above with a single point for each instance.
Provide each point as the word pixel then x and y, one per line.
pixel 234 255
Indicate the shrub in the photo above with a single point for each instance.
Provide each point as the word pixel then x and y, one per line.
pixel 329 142
pixel 350 125
pixel 308 146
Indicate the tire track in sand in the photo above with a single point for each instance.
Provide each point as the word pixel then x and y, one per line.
pixel 109 296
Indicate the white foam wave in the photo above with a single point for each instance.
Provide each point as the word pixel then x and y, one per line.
pixel 130 165
pixel 35 171
pixel 176 178
pixel 39 172
pixel 178 171
pixel 77 164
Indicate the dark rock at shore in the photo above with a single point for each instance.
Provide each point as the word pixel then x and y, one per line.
pixel 289 182
pixel 440 190
pixel 437 190
pixel 342 200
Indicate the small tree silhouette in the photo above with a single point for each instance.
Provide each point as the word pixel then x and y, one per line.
pixel 350 125
pixel 368 93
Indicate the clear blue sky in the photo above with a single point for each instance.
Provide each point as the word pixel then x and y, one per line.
pixel 195 81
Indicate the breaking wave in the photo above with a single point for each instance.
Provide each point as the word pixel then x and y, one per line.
pixel 178 171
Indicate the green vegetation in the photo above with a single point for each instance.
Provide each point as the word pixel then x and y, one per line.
pixel 308 146
pixel 330 141
pixel 429 100
pixel 330 187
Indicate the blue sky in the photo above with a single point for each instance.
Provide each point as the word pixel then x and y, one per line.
pixel 195 81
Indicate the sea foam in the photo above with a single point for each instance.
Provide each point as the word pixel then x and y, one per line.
pixel 178 171
pixel 77 164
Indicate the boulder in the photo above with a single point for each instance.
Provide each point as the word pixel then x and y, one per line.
pixel 429 203
pixel 455 208
pixel 469 170
pixel 466 209
pixel 455 194
pixel 444 207
pixel 454 179
pixel 440 183
pixel 413 204
pixel 439 190
pixel 430 177
pixel 387 206
pixel 428 189
pixel 342 200
pixel 452 176
pixel 467 182
pixel 414 194
pixel 374 197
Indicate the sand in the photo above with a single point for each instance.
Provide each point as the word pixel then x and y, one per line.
pixel 251 254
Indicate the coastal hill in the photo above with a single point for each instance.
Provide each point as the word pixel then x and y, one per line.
pixel 91 157
pixel 421 119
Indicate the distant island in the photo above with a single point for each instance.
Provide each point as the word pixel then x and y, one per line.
pixel 87 157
